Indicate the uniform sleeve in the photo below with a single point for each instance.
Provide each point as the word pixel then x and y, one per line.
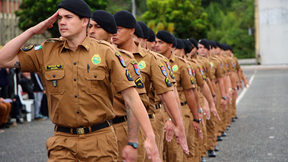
pixel 133 68
pixel 218 70
pixel 186 77
pixel 119 75
pixel 159 76
pixel 229 64
pixel 30 59
pixel 209 69
pixel 170 73
pixel 198 75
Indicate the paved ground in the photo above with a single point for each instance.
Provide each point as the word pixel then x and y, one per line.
pixel 259 135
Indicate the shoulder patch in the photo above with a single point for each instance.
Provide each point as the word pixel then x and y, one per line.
pixel 28 48
pixel 139 83
pixel 120 59
pixel 38 48
pixel 162 69
pixel 128 75
pixel 172 74
pixel 189 70
pixel 167 64
pixel 168 82
pixel 136 67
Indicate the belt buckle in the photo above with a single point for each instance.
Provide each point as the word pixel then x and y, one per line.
pixel 80 130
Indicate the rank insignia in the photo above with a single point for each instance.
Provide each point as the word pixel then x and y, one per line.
pixel 191 79
pixel 175 68
pixel 167 64
pixel 136 67
pixel 162 69
pixel 139 83
pixel 28 48
pixel 172 74
pixel 54 83
pixel 38 48
pixel 121 59
pixel 54 67
pixel 96 59
pixel 142 64
pixel 189 70
pixel 128 75
pixel 168 83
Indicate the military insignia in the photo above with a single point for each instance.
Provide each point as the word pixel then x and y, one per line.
pixel 191 79
pixel 38 48
pixel 189 70
pixel 128 75
pixel 201 70
pixel 175 68
pixel 54 67
pixel 96 59
pixel 142 64
pixel 28 48
pixel 167 64
pixel 211 65
pixel 168 83
pixel 120 59
pixel 205 69
pixel 172 74
pixel 227 64
pixel 136 67
pixel 162 69
pixel 54 83
pixel 139 83
pixel 193 72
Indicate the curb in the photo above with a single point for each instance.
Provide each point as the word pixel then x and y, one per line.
pixel 264 67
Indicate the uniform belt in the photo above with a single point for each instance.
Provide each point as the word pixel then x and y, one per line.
pixel 84 130
pixel 151 116
pixel 119 119
pixel 183 103
pixel 158 106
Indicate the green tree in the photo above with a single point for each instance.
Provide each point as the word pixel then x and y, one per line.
pixel 186 18
pixel 34 11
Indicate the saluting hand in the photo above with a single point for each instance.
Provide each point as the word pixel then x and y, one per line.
pixel 152 150
pixel 181 138
pixel 44 25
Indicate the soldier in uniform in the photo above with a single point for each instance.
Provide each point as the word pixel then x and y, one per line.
pixel 152 73
pixel 77 73
pixel 102 27
pixel 185 84
pixel 151 40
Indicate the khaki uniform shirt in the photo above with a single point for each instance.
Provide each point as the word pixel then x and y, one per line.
pixel 216 67
pixel 153 74
pixel 133 68
pixel 206 66
pixel 78 84
pixel 184 75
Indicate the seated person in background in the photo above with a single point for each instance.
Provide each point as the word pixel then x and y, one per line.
pixel 16 108
pixel 4 114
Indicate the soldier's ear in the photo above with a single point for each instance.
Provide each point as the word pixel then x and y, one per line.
pixel 132 30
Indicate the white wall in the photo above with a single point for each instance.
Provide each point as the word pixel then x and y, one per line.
pixel 273 20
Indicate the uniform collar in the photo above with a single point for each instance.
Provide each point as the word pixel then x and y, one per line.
pixel 85 44
pixel 140 50
pixel 172 57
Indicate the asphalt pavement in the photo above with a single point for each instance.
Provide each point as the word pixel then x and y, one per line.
pixel 258 135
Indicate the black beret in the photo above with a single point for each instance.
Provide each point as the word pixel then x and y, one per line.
pixel 188 46
pixel 205 43
pixel 151 35
pixel 180 44
pixel 194 42
pixel 144 29
pixel 218 45
pixel 125 19
pixel 174 41
pixel 105 20
pixel 165 36
pixel 213 44
pixel 138 31
pixel 78 7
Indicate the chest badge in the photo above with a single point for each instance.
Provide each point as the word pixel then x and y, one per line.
pixel 96 59
pixel 175 68
pixel 136 67
pixel 211 65
pixel 121 59
pixel 54 83
pixel 142 64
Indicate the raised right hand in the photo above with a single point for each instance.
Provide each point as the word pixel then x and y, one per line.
pixel 44 25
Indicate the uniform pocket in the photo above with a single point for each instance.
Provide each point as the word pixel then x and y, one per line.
pixel 55 81
pixel 94 79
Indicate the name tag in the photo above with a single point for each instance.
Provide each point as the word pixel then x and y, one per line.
pixel 54 67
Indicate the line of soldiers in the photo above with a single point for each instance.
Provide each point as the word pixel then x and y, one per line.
pixel 118 92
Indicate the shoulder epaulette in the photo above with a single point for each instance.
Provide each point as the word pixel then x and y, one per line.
pixel 106 43
pixel 151 52
pixel 52 40
pixel 126 53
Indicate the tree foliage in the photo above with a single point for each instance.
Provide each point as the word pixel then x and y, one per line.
pixel 183 18
pixel 34 11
